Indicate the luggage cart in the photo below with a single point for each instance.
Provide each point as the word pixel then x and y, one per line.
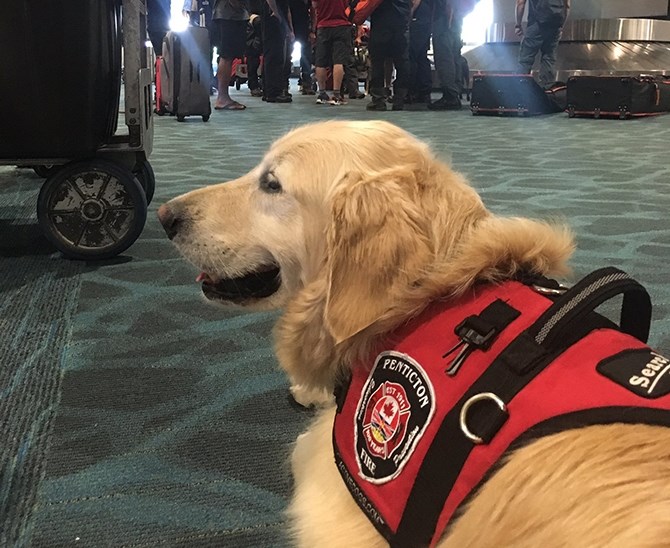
pixel 93 203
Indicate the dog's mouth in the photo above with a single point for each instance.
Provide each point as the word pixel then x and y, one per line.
pixel 260 283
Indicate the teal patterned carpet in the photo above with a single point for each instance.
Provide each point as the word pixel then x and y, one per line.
pixel 133 414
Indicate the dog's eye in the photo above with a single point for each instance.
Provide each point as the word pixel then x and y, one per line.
pixel 270 185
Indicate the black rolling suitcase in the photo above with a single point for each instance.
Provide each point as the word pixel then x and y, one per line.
pixel 186 74
pixel 508 95
pixel 60 77
pixel 617 96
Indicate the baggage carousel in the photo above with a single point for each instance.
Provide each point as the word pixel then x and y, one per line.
pixel 588 48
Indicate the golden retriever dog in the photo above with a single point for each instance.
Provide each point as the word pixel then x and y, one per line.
pixel 354 227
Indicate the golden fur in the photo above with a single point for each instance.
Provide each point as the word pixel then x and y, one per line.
pixel 367 229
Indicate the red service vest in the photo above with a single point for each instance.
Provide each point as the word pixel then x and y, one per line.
pixel 420 425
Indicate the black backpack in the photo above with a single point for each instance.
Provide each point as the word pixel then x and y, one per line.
pixel 550 11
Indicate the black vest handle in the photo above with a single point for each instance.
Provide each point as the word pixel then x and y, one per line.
pixel 583 298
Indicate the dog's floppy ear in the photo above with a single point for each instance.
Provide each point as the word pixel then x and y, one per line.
pixel 377 247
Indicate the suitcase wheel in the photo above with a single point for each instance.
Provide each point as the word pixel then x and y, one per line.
pixel 205 118
pixel 181 118
pixel 571 112
pixel 144 173
pixel 92 209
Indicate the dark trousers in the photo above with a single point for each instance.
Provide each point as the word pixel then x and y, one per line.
pixel 543 39
pixel 388 39
pixel 253 63
pixel 276 50
pixel 447 49
pixel 420 76
pixel 301 26
pixel 350 82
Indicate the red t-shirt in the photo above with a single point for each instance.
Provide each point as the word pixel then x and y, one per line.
pixel 331 13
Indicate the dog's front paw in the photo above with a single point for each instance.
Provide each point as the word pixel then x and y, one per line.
pixel 311 397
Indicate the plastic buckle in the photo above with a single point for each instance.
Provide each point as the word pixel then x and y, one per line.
pixel 475 332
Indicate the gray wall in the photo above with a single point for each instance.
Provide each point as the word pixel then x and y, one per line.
pixel 503 10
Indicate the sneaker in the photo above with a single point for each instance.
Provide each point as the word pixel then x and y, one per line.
pixel 357 95
pixel 444 104
pixel 283 98
pixel 256 92
pixel 337 100
pixel 323 98
pixel 307 91
pixel 376 105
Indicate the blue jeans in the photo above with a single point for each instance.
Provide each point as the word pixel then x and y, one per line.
pixel 544 39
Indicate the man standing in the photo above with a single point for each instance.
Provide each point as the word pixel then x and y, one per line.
pixel 230 19
pixel 334 47
pixel 420 77
pixel 389 38
pixel 447 27
pixel 277 44
pixel 543 33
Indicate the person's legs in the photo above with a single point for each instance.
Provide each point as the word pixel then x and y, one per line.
pixel 273 55
pixel 342 56
pixel 322 60
pixel 530 45
pixel 377 45
pixel 253 64
pixel 223 73
pixel 306 68
pixel 447 50
pixel 550 41
pixel 351 71
pixel 338 76
pixel 321 77
pixel 232 35
pixel 400 52
pixel 420 80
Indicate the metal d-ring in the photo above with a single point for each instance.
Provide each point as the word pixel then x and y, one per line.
pixel 464 412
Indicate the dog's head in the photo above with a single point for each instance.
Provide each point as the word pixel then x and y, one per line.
pixel 353 217
pixel 341 196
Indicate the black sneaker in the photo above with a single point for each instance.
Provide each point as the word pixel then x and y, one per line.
pixel 444 104
pixel 357 95
pixel 279 99
pixel 376 105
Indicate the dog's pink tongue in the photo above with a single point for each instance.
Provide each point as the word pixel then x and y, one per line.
pixel 201 277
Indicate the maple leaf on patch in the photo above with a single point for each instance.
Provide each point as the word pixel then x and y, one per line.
pixel 389 409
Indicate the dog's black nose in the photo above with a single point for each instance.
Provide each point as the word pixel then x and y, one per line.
pixel 170 220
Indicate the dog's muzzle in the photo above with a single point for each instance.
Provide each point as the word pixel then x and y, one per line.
pixel 171 220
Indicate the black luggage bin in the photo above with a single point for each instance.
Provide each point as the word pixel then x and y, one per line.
pixel 508 95
pixel 619 97
pixel 61 77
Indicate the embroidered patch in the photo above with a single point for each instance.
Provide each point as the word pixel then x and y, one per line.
pixel 396 406
pixel 643 372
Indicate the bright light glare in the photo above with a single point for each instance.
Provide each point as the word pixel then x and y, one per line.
pixel 178 22
pixel 297 53
pixel 476 23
